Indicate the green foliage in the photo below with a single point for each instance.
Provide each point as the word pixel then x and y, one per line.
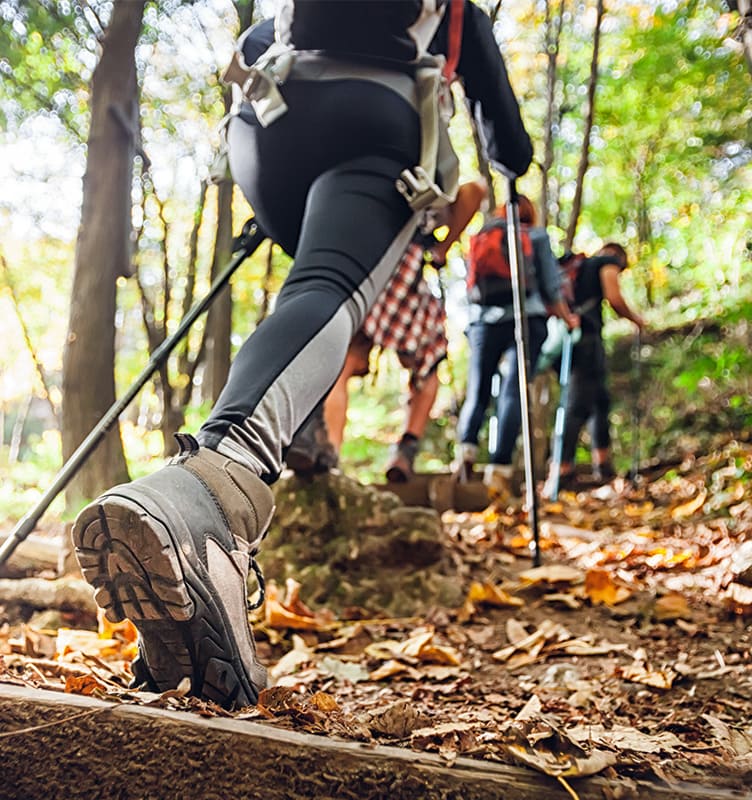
pixel 695 386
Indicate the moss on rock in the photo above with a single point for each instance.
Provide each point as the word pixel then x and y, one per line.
pixel 354 545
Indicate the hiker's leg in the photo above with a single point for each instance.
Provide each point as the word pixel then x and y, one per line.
pixel 354 230
pixel 598 424
pixel 487 343
pixel 509 407
pixel 171 551
pixel 420 404
pixel 582 382
pixel 421 400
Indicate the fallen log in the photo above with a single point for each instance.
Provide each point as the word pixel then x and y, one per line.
pixel 69 746
pixel 67 594
pixel 34 554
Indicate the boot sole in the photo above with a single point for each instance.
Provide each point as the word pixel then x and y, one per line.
pixel 128 554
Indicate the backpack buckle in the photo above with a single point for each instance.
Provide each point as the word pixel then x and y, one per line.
pixel 419 190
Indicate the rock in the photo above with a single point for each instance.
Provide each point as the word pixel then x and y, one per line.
pixel 353 545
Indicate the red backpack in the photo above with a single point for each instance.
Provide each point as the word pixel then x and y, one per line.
pixel 489 273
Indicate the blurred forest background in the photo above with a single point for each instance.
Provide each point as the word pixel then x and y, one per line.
pixel 641 114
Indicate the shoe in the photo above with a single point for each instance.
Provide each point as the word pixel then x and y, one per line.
pixel 466 455
pixel 171 552
pixel 310 451
pixel 400 469
pixel 498 480
pixel 604 473
pixel 567 483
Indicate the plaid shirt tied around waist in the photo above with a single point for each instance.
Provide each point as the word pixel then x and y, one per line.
pixel 408 318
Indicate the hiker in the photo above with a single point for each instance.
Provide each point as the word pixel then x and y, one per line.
pixel 588 400
pixel 409 319
pixel 491 337
pixel 333 144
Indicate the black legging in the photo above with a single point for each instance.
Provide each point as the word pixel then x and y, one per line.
pixel 321 181
pixel 588 400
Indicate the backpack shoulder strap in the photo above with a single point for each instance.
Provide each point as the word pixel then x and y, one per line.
pixel 456 17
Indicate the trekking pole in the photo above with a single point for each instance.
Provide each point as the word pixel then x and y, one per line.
pixel 523 366
pixel 634 472
pixel 561 412
pixel 245 244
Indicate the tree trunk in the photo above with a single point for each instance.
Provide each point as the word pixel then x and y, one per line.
pixel 585 156
pixel 268 274
pixel 219 319
pixel 552 39
pixel 744 34
pixel 102 254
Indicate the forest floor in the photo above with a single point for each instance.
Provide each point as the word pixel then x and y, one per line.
pixel 627 653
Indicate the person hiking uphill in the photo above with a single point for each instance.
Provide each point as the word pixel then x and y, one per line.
pixel 588 399
pixel 491 337
pixel 327 146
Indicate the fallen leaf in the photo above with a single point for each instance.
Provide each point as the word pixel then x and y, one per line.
pixel 560 764
pixel 552 573
pixel 398 720
pixel 491 595
pixel 568 600
pixel 293 659
pixel 391 668
pixel 658 678
pixel 292 613
pixel 600 587
pixel 688 509
pixel 738 741
pixel 83 684
pixel 531 709
pixel 515 630
pixel 671 606
pixel 624 737
pixel 70 641
pixel 343 670
pixel 323 702
pixel 583 647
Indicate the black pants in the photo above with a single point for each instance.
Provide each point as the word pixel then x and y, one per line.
pixel 589 401
pixel 321 181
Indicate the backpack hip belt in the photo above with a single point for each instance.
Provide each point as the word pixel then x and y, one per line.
pixel 434 181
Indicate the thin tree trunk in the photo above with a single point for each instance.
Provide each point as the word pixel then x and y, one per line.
pixel 219 319
pixel 552 39
pixel 590 115
pixel 264 307
pixel 16 436
pixel 102 254
pixel 744 32
pixel 41 372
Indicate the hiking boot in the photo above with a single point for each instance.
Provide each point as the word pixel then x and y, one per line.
pixel 172 552
pixel 567 483
pixel 466 455
pixel 498 480
pixel 604 473
pixel 400 469
pixel 310 451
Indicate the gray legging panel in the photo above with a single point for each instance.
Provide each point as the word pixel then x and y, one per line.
pixel 348 227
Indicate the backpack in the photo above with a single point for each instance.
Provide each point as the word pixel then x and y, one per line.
pixel 489 273
pixel 570 264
